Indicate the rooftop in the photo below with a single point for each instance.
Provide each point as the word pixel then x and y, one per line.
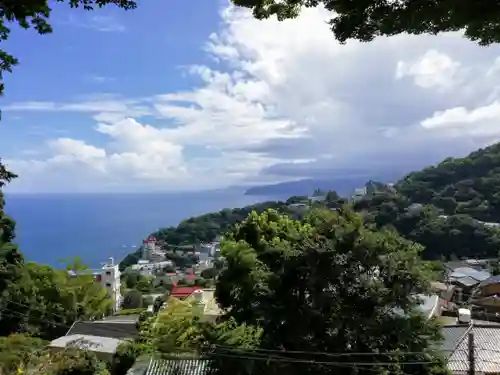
pixel 93 343
pixel 478 275
pixel 208 298
pixel 117 329
pixel 486 342
pixel 183 291
pixel 178 367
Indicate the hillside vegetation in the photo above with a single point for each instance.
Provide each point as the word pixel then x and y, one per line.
pixel 452 237
pixel 456 195
pixel 469 185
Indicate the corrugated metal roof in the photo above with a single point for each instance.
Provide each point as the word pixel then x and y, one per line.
pixel 466 281
pixel 116 330
pixel 470 272
pixel 487 351
pixel 178 367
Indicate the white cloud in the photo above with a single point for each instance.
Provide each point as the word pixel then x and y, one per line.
pixel 433 70
pixel 461 121
pixel 95 22
pixel 96 78
pixel 280 102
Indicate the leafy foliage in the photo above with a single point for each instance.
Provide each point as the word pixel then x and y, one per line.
pixel 206 228
pixel 47 301
pixel 351 290
pixel 179 241
pixel 71 361
pixel 443 237
pixel 132 300
pixel 17 351
pixel 469 185
pixel 365 20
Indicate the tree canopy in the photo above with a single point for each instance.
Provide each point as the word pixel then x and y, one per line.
pixel 365 20
pixel 469 185
pixel 329 284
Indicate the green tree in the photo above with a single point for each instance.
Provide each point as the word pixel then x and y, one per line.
pixel 71 361
pixel 132 300
pixel 45 301
pixel 364 21
pixel 209 273
pixel 11 260
pixel 351 290
pixel 17 350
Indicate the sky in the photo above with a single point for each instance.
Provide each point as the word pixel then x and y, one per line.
pixel 193 95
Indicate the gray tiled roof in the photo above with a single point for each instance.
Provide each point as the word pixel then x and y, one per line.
pixel 178 367
pixel 452 336
pixel 487 350
pixel 116 330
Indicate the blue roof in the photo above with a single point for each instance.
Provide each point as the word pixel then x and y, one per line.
pixel 470 272
pixel 492 280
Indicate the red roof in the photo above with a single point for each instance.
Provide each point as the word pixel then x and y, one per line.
pixel 183 291
pixel 171 274
pixel 190 276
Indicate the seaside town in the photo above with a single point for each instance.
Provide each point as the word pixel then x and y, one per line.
pixel 363 133
pixel 464 300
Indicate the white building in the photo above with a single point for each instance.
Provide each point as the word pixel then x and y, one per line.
pixel 110 279
pixel 145 265
pixel 317 198
pixel 150 250
pixel 358 194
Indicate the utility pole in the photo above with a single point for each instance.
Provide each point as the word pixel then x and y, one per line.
pixel 472 360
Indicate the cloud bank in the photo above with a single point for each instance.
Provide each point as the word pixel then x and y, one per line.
pixel 281 100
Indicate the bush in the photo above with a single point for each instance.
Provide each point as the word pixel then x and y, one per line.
pixel 132 300
pixel 147 301
pixel 209 273
pixel 129 311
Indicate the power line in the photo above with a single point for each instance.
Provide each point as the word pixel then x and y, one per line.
pixel 330 354
pixel 309 361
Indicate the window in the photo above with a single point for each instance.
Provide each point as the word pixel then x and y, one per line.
pixel 108 273
pixel 108 285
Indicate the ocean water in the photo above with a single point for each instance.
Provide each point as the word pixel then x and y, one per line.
pixel 54 227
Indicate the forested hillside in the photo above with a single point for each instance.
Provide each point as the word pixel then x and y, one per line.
pixel 443 237
pixel 469 185
pixel 206 227
pixel 454 195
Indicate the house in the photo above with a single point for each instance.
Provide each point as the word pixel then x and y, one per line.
pixel 455 347
pixel 467 278
pixel 490 286
pixel 204 304
pixel 317 198
pixel 182 292
pixel 298 206
pixel 358 194
pixel 487 295
pixel 102 336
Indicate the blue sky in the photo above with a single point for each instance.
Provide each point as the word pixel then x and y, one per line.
pixel 136 53
pixel 197 94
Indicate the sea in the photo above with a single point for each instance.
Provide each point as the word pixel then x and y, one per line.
pixel 53 228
